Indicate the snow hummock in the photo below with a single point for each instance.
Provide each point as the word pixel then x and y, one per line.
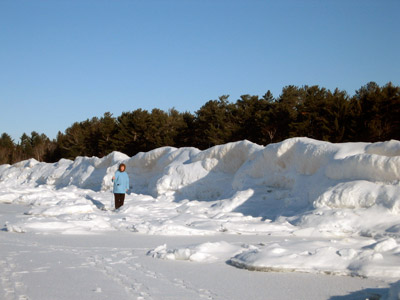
pixel 325 208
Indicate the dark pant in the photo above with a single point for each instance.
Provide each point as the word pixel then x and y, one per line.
pixel 119 200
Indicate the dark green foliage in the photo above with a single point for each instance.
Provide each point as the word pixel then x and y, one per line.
pixel 371 115
pixel 215 123
pixel 321 114
pixel 253 118
pixel 7 149
pixel 37 146
pixel 185 136
pixel 287 110
pixel 379 112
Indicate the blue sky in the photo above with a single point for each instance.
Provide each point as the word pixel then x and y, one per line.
pixel 63 61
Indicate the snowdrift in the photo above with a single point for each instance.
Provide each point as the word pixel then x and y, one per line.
pixel 301 173
pixel 300 187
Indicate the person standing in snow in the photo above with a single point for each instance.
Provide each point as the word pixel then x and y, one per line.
pixel 121 185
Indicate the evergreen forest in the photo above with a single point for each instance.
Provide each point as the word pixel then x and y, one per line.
pixel 372 114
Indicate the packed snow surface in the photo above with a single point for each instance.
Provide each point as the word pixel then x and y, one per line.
pixel 326 208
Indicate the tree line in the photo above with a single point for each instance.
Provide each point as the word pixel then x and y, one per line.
pixel 371 114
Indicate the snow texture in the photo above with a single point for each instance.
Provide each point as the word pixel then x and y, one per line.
pixel 330 208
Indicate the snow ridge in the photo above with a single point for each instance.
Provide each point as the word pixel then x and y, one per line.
pixel 347 196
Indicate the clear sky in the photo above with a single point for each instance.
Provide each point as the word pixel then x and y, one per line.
pixel 63 61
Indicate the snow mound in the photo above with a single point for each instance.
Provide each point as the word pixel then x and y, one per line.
pixel 283 179
pixel 207 252
pixel 349 257
pixel 338 204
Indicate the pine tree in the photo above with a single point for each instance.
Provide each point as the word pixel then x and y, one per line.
pixel 390 111
pixel 286 111
pixel 6 149
pixel 215 123
pixel 107 129
pixel 252 116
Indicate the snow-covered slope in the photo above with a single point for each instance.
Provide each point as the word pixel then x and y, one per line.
pixel 300 187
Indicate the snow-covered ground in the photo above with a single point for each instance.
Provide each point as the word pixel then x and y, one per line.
pixel 197 221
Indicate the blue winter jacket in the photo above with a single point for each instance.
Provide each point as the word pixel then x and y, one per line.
pixel 121 183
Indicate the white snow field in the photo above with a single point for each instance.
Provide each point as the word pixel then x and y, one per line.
pixel 320 220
